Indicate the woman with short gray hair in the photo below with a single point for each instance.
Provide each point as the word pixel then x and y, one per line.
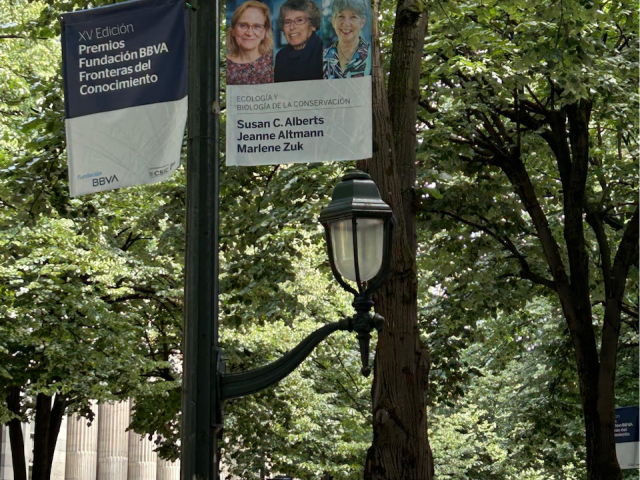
pixel 350 56
pixel 305 6
pixel 359 7
pixel 301 59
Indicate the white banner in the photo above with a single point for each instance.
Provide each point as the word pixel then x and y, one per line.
pixel 125 83
pixel 310 121
pixel 628 455
pixel 123 148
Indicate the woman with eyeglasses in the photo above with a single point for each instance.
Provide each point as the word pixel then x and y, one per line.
pixel 250 45
pixel 301 59
pixel 350 56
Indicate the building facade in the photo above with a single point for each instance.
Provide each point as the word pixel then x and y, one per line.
pixel 103 450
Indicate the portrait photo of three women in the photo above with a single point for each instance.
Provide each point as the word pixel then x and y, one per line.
pixel 296 40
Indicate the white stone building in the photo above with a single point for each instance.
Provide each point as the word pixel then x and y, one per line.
pixel 102 451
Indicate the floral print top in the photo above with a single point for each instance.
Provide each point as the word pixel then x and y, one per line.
pixel 254 73
pixel 359 66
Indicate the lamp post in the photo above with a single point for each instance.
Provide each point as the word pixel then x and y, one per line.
pixel 358 227
pixel 200 339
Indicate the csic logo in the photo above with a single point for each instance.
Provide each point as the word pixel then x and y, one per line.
pixel 100 181
pixel 157 171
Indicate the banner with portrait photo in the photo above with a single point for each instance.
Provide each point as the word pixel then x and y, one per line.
pixel 298 81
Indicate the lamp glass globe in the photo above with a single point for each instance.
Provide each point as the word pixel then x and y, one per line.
pixel 370 234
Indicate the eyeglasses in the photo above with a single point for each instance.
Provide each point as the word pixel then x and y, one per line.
pixel 243 27
pixel 296 21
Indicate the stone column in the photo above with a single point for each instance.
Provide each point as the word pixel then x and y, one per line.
pixel 168 470
pixel 28 443
pixel 6 461
pixel 58 466
pixel 82 449
pixel 113 441
pixel 142 458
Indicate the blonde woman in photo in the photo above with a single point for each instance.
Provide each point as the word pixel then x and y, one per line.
pixel 250 45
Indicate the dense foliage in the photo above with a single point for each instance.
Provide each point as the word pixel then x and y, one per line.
pixel 529 128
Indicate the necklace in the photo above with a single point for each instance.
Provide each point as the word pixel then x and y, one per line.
pixel 344 58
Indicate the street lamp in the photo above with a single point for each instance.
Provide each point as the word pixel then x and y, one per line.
pixel 358 226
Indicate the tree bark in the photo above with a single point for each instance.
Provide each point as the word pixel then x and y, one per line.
pixel 15 436
pixel 41 438
pixel 400 448
pixel 47 427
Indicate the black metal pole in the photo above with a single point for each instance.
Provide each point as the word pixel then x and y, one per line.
pixel 200 341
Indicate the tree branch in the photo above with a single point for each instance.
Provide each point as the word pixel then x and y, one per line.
pixel 629 311
pixel 595 221
pixel 525 269
pixel 521 182
pixel 21 37
pixel 424 104
pixel 626 255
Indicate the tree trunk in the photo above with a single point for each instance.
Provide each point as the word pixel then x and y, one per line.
pixel 15 436
pixel 400 448
pixel 47 427
pixel 601 459
pixel 41 453
pixel 596 375
pixel 602 463
pixel 596 378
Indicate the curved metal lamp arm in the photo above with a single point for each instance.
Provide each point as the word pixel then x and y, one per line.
pixel 234 385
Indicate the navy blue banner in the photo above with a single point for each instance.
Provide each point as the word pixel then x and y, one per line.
pixel 626 428
pixel 124 55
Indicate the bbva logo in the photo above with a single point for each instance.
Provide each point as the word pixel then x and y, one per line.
pixel 97 182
